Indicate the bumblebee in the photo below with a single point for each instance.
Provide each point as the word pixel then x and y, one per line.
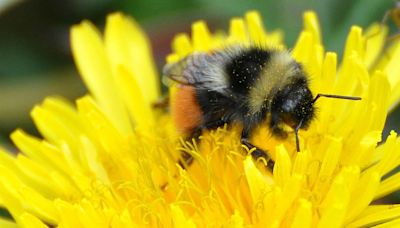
pixel 243 85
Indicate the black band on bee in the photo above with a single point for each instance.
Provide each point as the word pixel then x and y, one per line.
pixel 245 68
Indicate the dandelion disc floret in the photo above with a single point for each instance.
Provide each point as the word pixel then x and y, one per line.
pixel 110 160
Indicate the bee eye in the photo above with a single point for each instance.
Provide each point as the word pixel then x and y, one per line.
pixel 289 105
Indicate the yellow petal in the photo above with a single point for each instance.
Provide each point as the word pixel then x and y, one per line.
pixel 63 110
pixel 311 25
pixel 36 176
pixel 70 214
pixel 128 46
pixel 328 73
pixel 258 183
pixel 30 221
pixel 390 155
pixel 335 204
pixel 384 214
pixel 380 99
pixel 355 43
pixel 92 62
pixel 237 30
pixel 392 223
pixel 93 161
pixel 290 192
pixel 125 220
pixel 301 49
pixel 364 154
pixel 388 186
pixel 134 97
pixel 10 198
pixel 236 221
pixel 181 45
pixel 201 36
pixel 301 162
pixel 375 36
pixel 303 216
pixel 283 165
pixel 255 27
pixel 47 155
pixel 391 68
pixel 5 223
pixel 395 97
pixel 39 205
pixel 387 64
pixel 179 219
pixel 54 129
pixel 329 162
pixel 363 195
pixel 104 130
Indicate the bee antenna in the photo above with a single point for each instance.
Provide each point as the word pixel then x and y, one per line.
pixel 296 132
pixel 335 96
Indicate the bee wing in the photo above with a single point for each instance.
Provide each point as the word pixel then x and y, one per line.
pixel 201 70
pixel 175 72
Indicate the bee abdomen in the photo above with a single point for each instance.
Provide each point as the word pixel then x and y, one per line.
pixel 186 110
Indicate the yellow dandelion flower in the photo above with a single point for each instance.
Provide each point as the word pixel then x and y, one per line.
pixel 110 160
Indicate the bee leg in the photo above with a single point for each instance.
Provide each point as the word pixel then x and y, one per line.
pixel 257 153
pixel 186 158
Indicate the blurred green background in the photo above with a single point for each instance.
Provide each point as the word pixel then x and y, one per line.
pixel 35 59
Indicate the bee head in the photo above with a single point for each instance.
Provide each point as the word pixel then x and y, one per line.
pixel 293 104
